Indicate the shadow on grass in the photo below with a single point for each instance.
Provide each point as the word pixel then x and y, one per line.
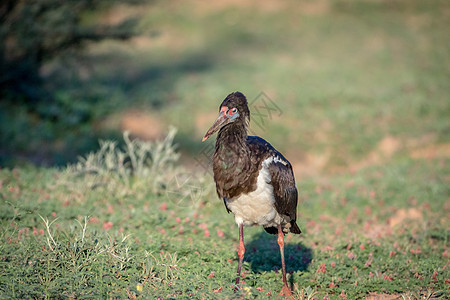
pixel 69 125
pixel 263 254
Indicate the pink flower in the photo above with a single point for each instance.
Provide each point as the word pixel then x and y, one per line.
pixel 260 289
pixel 415 251
pixel 391 254
pixel 435 276
pixel 178 220
pixel 387 277
pixel 219 290
pixel 322 269
pixel 206 233
pixel 220 233
pixel 327 247
pixel 333 264
pixel 107 225
pixel 94 220
pixel 163 206
pixel 362 247
pixel 211 275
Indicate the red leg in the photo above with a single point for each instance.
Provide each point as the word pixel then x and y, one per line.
pixel 285 290
pixel 241 251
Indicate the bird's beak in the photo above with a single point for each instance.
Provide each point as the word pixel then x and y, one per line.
pixel 219 123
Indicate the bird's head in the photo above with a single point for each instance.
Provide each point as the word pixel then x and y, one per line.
pixel 233 110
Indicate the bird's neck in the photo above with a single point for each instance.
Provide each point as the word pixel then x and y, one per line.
pixel 232 161
pixel 233 135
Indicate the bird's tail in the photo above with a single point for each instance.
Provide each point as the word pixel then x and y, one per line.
pixel 294 228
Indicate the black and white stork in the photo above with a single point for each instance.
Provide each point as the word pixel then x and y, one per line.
pixel 255 181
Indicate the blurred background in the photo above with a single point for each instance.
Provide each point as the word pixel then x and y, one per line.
pixel 336 84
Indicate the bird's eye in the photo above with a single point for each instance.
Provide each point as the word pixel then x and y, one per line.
pixel 232 111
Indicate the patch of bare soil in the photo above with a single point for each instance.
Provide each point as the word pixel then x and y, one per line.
pixel 376 296
pixel 142 125
pixel 431 151
pixel 317 7
pixel 385 149
pixel 425 147
pixel 403 215
pixel 311 165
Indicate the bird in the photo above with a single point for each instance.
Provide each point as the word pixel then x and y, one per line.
pixel 255 181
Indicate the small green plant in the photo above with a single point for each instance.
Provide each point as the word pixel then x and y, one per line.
pixel 304 293
pixel 167 263
pixel 137 165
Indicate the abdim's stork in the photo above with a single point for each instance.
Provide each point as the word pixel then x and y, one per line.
pixel 254 180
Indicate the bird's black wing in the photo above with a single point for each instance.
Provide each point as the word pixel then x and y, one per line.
pixel 284 190
pixel 283 181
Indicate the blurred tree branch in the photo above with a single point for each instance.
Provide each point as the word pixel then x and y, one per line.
pixel 32 32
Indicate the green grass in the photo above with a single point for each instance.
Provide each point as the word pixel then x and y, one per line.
pixel 111 232
pixel 363 91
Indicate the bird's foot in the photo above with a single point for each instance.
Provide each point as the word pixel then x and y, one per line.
pixel 285 291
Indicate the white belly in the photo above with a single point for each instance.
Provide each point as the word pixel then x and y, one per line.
pixel 257 207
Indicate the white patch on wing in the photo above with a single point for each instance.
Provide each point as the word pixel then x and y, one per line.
pixel 280 160
pixel 257 207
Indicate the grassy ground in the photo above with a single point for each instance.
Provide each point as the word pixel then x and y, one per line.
pixel 96 230
pixel 359 92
